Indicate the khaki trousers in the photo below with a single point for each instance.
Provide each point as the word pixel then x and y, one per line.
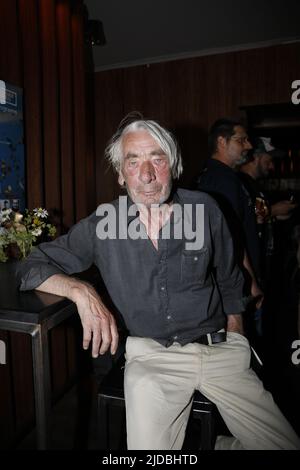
pixel 159 387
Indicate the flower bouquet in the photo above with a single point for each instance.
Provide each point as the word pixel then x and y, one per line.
pixel 19 233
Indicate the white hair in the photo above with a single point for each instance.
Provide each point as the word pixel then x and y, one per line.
pixel 166 141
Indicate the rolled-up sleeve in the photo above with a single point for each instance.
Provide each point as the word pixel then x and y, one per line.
pixel 67 254
pixel 228 275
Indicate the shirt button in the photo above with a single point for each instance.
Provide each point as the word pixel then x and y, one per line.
pixel 162 288
pixel 169 317
pixel 195 258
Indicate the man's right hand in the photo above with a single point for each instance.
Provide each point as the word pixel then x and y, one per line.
pixel 98 323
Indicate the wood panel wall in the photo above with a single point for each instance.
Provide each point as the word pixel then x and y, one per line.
pixel 187 96
pixel 43 51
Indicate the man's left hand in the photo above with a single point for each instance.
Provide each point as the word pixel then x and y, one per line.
pixel 235 324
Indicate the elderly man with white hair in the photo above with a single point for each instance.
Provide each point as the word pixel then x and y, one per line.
pixel 166 257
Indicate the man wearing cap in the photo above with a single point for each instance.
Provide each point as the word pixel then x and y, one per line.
pixel 259 164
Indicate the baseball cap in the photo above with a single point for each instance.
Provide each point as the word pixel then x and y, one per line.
pixel 263 145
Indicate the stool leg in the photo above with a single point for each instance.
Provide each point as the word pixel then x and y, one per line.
pixel 207 431
pixel 207 439
pixel 103 431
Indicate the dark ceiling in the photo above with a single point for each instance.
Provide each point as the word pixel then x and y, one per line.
pixel 139 32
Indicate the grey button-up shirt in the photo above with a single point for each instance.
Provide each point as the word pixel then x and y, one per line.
pixel 174 293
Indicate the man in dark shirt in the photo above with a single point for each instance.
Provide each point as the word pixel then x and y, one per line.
pixel 167 260
pixel 228 147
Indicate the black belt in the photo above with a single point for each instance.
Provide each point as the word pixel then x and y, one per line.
pixel 211 338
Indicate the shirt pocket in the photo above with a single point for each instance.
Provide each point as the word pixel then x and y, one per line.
pixel 194 265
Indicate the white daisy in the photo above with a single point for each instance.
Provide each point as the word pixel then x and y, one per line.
pixel 36 232
pixel 40 213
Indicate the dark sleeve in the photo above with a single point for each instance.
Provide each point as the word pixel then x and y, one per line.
pixel 229 277
pixel 68 254
pixel 227 193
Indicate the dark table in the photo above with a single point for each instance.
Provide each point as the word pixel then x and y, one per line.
pixel 34 313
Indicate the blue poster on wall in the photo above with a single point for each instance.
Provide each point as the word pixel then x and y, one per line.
pixel 12 172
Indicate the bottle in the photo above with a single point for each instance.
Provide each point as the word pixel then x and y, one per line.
pixel 296 163
pixel 290 163
pixel 283 166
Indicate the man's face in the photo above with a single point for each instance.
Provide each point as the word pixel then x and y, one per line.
pixel 264 165
pixel 237 147
pixel 145 169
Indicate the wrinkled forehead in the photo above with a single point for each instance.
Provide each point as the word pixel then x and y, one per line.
pixel 141 142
